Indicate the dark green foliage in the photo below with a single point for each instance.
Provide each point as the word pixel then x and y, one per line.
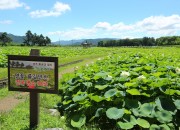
pixel 126 91
pixel 34 39
pixel 145 41
pixel 4 39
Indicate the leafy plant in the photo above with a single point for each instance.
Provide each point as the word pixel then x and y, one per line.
pixel 130 90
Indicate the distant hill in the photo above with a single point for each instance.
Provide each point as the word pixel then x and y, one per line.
pixel 16 39
pixel 20 39
pixel 79 41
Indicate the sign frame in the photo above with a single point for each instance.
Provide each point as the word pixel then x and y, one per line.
pixel 34 59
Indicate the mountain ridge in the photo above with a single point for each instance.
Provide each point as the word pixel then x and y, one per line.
pixel 20 39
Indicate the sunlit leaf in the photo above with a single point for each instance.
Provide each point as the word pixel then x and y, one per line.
pixel 133 91
pixel 79 97
pixel 114 113
pixel 125 125
pixel 110 93
pixel 101 87
pixel 78 120
pixel 143 123
pixel 96 98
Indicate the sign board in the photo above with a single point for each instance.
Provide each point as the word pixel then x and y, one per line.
pixel 33 74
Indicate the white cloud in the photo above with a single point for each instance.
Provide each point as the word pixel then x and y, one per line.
pixel 160 25
pixel 103 25
pixel 153 26
pixel 6 22
pixel 76 33
pixel 115 27
pixel 57 10
pixel 12 4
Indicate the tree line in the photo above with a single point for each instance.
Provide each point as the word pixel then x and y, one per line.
pixel 34 39
pixel 29 40
pixel 145 41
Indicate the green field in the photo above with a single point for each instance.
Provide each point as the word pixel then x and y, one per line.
pixel 125 88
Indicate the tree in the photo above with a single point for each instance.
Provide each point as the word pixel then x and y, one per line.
pixel 47 40
pixel 5 39
pixel 28 39
pixel 35 39
pixel 41 40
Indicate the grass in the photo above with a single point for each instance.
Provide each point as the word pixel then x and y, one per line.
pixel 3 73
pixel 18 119
pixel 4 92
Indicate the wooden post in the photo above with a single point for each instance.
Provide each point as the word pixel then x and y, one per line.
pixel 34 100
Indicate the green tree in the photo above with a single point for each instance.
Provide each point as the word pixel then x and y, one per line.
pixel 5 39
pixel 28 39
pixel 41 40
pixel 47 41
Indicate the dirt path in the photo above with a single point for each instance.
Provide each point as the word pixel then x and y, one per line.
pixel 9 102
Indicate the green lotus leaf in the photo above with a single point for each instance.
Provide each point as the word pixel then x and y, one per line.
pixel 170 91
pixel 138 69
pixel 171 126
pixel 70 107
pixel 157 74
pixel 164 116
pixel 78 120
pixel 88 84
pixel 143 123
pixel 125 125
pixel 136 112
pixel 122 79
pixel 71 88
pixel 147 67
pixel 145 94
pixel 114 113
pixel 154 127
pixel 129 118
pixel 100 75
pixel 146 109
pixel 99 112
pixel 96 98
pixel 177 104
pixel 66 102
pixel 79 97
pixel 177 92
pixel 164 127
pixel 110 93
pixel 133 91
pixel 101 87
pixel 128 84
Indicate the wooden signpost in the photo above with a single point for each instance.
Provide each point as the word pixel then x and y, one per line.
pixel 35 74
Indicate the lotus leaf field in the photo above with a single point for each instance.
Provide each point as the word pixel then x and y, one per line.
pixel 65 54
pixel 126 88
pixel 133 89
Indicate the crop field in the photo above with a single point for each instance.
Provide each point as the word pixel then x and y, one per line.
pixel 65 54
pixel 125 88
pixel 134 89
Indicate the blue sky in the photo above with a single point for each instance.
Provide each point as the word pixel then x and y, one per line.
pixel 79 19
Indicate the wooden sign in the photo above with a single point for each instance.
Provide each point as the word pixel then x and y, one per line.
pixel 33 74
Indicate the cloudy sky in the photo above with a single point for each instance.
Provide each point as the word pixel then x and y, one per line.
pixel 77 19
